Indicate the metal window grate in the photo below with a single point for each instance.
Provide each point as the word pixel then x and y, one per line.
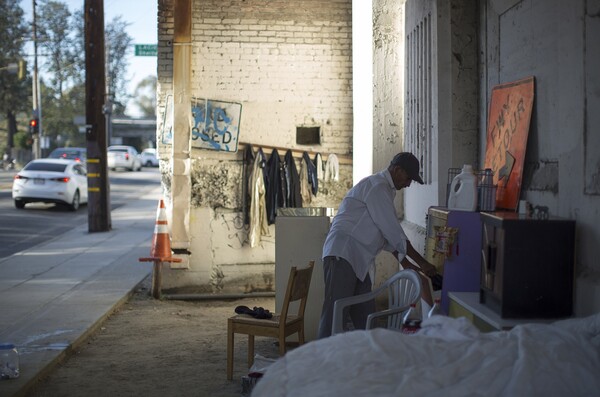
pixel 418 134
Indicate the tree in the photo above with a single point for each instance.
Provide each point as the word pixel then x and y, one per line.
pixel 58 114
pixel 62 38
pixel 53 24
pixel 14 93
pixel 117 42
pixel 145 96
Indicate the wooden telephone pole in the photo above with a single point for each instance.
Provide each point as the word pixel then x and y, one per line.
pixel 95 100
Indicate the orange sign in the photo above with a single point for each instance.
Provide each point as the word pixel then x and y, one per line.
pixel 508 128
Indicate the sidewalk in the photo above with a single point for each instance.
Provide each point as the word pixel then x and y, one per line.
pixel 6 179
pixel 54 295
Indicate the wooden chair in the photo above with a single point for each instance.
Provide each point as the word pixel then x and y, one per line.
pixel 280 325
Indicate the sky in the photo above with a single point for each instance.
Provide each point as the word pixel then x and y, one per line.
pixel 142 18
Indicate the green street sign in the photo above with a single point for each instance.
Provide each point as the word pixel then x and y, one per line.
pixel 146 50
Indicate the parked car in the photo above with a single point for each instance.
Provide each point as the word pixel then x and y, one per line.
pixel 73 153
pixel 149 158
pixel 47 180
pixel 120 156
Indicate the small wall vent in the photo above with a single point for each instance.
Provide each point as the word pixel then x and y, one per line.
pixel 308 135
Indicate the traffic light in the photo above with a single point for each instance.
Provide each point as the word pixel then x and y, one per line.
pixel 34 126
pixel 22 70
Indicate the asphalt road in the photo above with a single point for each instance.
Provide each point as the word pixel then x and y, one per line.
pixel 21 229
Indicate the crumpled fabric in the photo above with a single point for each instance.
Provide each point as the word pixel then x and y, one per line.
pixel 558 359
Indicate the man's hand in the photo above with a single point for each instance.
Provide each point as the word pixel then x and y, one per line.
pixel 424 267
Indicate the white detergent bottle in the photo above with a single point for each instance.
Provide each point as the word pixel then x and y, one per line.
pixel 463 191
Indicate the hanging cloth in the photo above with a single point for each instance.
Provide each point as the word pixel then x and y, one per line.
pixel 258 209
pixel 293 182
pixel 332 168
pixel 319 166
pixel 247 167
pixel 273 186
pixel 304 185
pixel 311 173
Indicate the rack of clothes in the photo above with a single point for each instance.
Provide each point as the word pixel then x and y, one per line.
pixel 274 181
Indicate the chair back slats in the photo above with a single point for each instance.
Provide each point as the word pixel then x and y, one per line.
pixel 301 284
pixel 403 288
pixel 401 293
pixel 297 289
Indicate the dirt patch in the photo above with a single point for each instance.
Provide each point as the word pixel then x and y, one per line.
pixel 158 348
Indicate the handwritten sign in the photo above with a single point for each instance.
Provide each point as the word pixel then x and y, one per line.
pixel 215 124
pixel 508 129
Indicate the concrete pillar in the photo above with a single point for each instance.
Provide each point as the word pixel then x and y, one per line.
pixel 182 125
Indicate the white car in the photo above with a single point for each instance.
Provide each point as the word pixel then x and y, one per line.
pixel 149 158
pixel 120 156
pixel 58 181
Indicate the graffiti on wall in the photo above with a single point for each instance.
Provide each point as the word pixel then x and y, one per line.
pixel 237 232
pixel 215 124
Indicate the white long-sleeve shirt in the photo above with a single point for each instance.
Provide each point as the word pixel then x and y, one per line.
pixel 365 224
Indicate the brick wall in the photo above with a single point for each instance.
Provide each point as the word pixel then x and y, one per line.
pixel 289 65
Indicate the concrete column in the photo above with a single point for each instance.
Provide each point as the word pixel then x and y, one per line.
pixel 362 88
pixel 182 124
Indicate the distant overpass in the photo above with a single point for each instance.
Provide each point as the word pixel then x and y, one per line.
pixel 139 133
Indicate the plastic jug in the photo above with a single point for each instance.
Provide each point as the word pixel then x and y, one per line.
pixel 463 191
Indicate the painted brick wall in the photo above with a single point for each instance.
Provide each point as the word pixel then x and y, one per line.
pixel 289 65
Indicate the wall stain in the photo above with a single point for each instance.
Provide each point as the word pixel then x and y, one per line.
pixel 216 185
pixel 541 176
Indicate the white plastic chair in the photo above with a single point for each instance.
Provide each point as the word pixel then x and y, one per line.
pixel 404 288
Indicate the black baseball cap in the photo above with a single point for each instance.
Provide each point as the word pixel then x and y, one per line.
pixel 409 163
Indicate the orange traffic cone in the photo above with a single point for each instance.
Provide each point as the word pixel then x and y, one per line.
pixel 161 248
pixel 161 242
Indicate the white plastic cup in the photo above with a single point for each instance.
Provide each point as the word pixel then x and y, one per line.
pixel 523 207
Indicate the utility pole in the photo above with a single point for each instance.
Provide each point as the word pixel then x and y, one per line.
pixel 37 103
pixel 95 104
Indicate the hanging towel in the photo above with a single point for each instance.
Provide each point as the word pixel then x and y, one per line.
pixel 332 168
pixel 319 165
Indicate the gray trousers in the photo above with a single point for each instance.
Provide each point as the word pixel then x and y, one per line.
pixel 341 282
